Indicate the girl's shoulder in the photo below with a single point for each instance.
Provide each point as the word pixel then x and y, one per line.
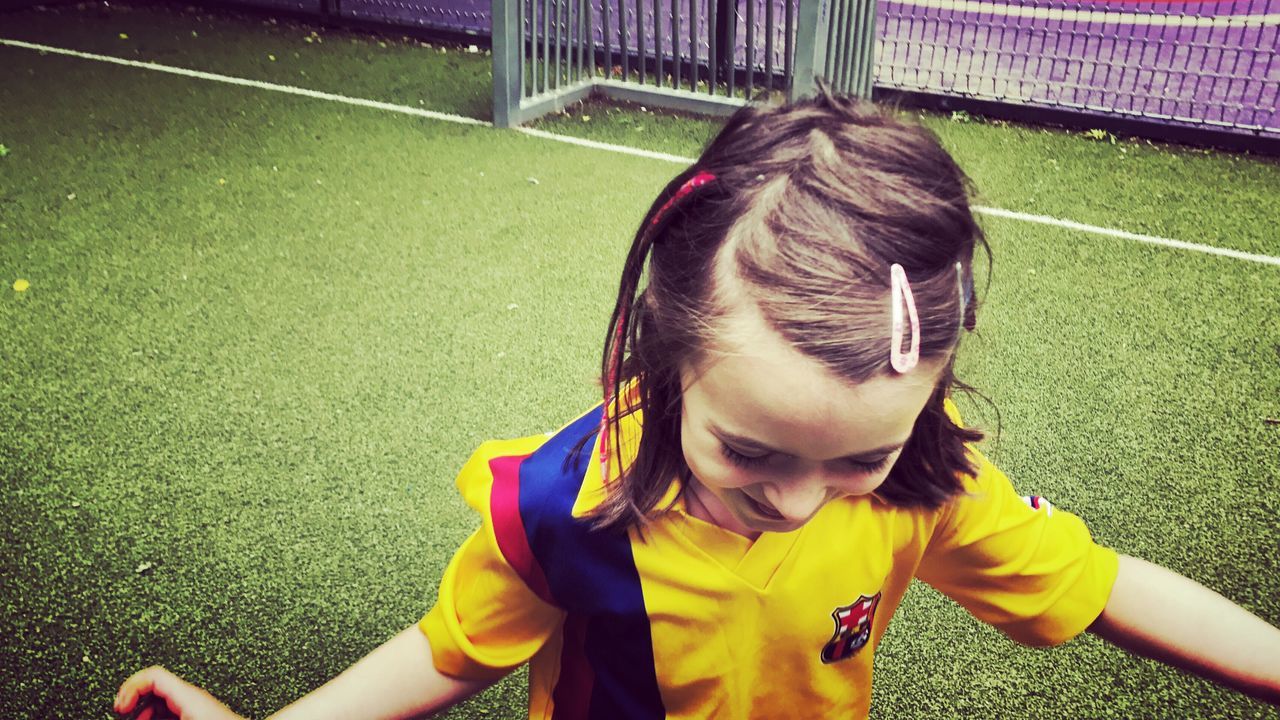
pixel 537 475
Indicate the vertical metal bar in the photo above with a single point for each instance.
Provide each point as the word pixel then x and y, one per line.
pixel 582 36
pixel 811 46
pixel 732 45
pixel 657 42
pixel 506 64
pixel 713 58
pixel 589 23
pixel 555 32
pixel 838 68
pixel 858 47
pixel 608 40
pixel 768 45
pixel 572 19
pixel 751 45
pixel 675 43
pixel 568 40
pixel 870 40
pixel 533 47
pixel 640 47
pixel 520 21
pixel 823 69
pixel 546 44
pixel 833 40
pixel 622 40
pixel 788 42
pixel 528 48
pixel 562 37
pixel 693 45
pixel 853 36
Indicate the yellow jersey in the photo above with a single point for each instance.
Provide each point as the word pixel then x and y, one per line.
pixel 689 620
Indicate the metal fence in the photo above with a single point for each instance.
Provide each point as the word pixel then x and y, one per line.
pixel 1205 64
pixel 695 55
pixel 1211 64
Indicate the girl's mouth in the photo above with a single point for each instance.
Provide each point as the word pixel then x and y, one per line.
pixel 763 510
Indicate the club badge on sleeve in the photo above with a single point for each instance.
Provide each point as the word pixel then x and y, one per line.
pixel 853 628
pixel 1038 503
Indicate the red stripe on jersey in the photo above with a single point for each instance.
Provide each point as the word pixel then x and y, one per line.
pixel 572 694
pixel 508 526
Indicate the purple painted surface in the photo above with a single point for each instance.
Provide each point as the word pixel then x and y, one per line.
pixel 1130 61
pixel 1147 59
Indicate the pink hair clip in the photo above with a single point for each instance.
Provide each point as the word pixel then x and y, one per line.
pixel 900 294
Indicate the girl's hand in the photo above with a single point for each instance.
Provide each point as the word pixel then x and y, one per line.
pixel 171 696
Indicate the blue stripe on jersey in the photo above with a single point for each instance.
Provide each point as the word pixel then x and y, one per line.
pixel 592 575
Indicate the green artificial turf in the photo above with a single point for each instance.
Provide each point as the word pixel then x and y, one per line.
pixel 262 333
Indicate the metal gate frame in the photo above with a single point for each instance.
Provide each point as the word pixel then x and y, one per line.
pixel 833 40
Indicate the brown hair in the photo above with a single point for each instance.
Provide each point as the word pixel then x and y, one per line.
pixel 811 203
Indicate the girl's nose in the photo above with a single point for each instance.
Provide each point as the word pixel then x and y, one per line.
pixel 798 499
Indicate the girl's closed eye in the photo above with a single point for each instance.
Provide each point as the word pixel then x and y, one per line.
pixel 870 467
pixel 743 460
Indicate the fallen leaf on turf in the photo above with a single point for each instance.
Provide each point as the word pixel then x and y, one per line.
pixel 20 285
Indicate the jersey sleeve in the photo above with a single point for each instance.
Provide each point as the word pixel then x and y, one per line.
pixel 1019 564
pixel 486 620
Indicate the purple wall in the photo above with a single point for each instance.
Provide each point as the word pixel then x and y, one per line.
pixel 1211 64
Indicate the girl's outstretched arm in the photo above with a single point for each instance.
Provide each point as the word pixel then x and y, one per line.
pixel 397 680
pixel 1158 613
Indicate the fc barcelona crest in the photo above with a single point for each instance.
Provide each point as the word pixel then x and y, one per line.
pixel 853 628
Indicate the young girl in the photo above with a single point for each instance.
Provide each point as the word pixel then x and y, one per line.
pixel 728 535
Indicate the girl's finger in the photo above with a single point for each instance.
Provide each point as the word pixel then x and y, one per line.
pixel 154 683
pixel 168 696
pixel 137 685
pixel 154 707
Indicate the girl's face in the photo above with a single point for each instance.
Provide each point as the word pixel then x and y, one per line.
pixel 771 436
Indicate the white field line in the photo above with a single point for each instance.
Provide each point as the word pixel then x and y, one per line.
pixel 620 149
pixel 1095 16
pixel 242 82
pixel 1125 235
